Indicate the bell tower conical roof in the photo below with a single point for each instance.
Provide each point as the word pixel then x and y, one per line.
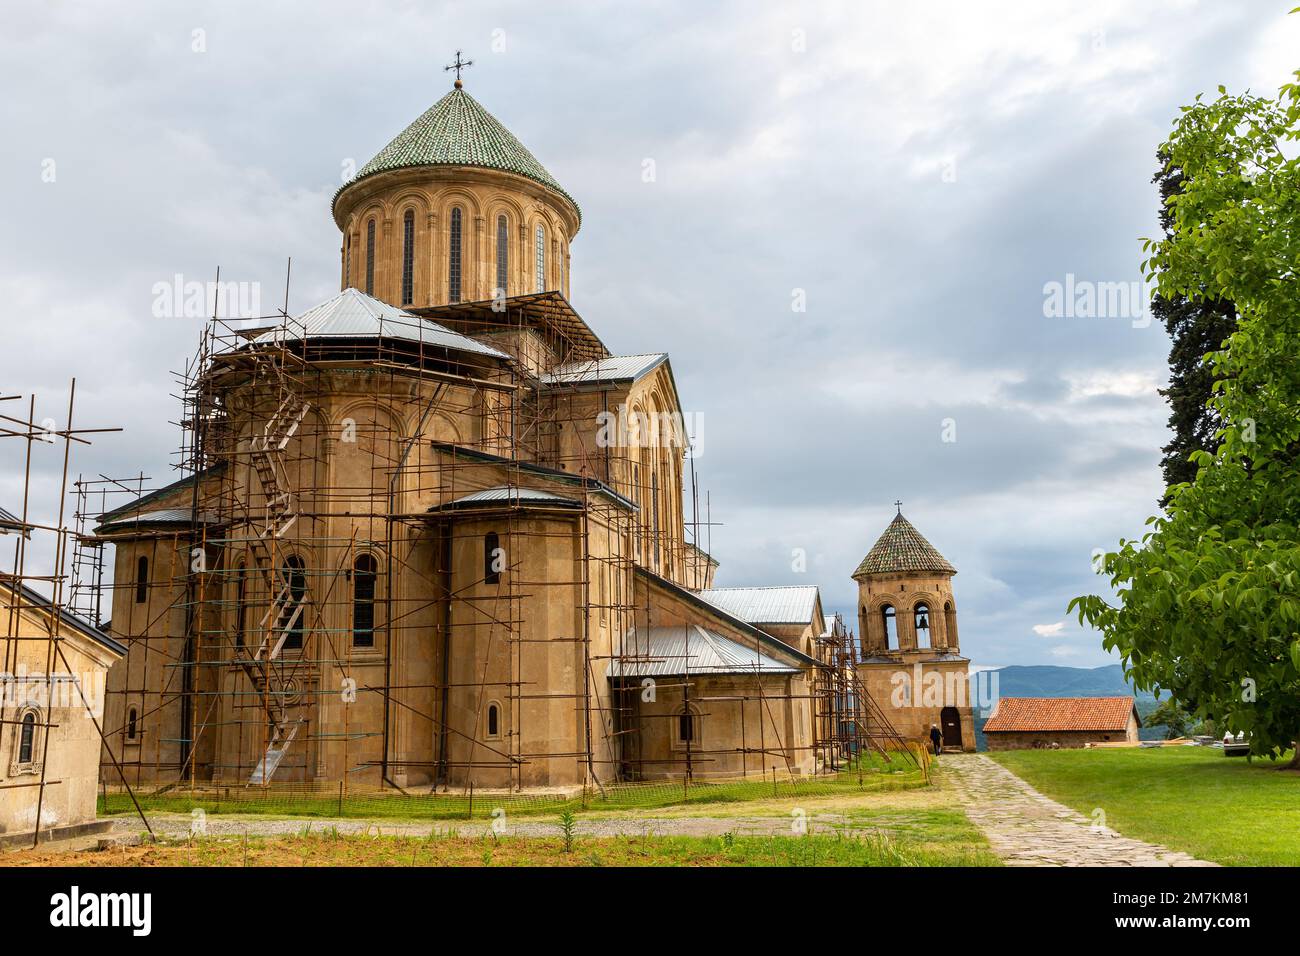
pixel 901 549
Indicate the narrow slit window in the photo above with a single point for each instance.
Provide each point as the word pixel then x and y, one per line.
pixel 131 724
pixel 408 257
pixel 453 256
pixel 493 721
pixel 493 558
pixel 370 257
pixel 241 605
pixel 293 576
pixel 142 580
pixel 540 265
pixel 686 726
pixel 364 574
pixel 27 739
pixel 503 256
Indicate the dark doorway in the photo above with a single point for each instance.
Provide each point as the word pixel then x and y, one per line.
pixel 950 721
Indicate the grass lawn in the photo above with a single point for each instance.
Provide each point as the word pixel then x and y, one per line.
pixel 1188 798
pixel 874 776
pixel 331 849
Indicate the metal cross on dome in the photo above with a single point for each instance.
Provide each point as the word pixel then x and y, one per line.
pixel 899 506
pixel 458 66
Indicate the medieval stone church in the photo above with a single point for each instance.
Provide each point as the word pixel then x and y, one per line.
pixel 432 533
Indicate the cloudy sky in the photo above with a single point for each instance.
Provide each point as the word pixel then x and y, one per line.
pixel 914 175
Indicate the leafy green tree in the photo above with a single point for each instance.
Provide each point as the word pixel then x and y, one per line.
pixel 1170 715
pixel 1209 599
pixel 1196 328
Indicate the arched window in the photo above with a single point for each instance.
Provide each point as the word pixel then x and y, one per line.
pixel 241 605
pixel 347 261
pixel 453 256
pixel 921 621
pixel 408 257
pixel 688 731
pixel 370 257
pixel 142 580
pixel 891 626
pixel 493 720
pixel 27 738
pixel 559 268
pixel 293 577
pixel 365 570
pixel 503 256
pixel 540 265
pixel 132 728
pixel 493 558
pixel 654 513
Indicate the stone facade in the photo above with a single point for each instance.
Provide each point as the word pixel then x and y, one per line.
pixel 415 555
pixel 49 716
pixel 1064 739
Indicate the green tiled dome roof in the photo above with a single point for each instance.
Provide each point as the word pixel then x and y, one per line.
pixel 458 131
pixel 903 548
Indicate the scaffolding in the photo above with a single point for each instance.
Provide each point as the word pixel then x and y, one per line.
pixel 288 575
pixel 39 607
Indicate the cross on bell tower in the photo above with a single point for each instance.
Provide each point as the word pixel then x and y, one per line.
pixel 458 65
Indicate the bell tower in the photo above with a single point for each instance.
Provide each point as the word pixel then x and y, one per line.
pixel 910 652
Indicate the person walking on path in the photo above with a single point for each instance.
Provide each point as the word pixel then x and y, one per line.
pixel 936 739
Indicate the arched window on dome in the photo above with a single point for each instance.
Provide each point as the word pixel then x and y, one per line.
pixel 370 257
pixel 890 621
pixel 540 265
pixel 921 621
pixel 503 256
pixel 454 256
pixel 408 257
pixel 347 260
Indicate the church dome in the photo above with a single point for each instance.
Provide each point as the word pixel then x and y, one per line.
pixel 455 209
pixel 458 131
pixel 903 549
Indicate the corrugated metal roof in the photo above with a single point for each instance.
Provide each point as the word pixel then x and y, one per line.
pixel 353 314
pixel 25 596
pixel 10 522
pixel 508 495
pixel 674 651
pixel 162 516
pixel 612 368
pixel 774 605
pixel 1039 714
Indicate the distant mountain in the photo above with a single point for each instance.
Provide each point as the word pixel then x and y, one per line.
pixel 1049 680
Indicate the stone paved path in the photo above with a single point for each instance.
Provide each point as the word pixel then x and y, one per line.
pixel 1026 828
